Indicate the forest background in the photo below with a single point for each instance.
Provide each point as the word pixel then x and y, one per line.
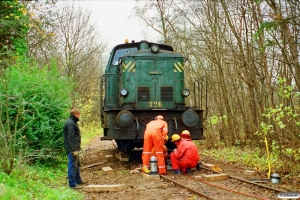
pixel 52 58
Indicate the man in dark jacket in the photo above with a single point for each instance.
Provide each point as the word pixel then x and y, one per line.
pixel 72 140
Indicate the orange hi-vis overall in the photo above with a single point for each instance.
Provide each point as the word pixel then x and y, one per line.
pixel 165 152
pixel 154 136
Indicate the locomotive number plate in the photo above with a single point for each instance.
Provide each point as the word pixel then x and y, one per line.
pixel 155 104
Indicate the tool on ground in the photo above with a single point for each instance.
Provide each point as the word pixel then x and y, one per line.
pixel 153 165
pixel 146 170
pixel 275 178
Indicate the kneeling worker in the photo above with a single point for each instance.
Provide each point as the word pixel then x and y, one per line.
pixel 185 156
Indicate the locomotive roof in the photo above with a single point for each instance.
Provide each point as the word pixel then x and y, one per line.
pixel 161 53
pixel 136 44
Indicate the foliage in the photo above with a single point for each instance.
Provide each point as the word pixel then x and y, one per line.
pixel 36 182
pixel 254 158
pixel 45 103
pixel 41 181
pixel 34 101
pixel 88 132
pixel 14 27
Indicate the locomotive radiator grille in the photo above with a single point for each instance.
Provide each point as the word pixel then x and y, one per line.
pixel 143 94
pixel 166 93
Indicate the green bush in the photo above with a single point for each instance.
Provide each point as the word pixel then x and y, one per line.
pixel 36 101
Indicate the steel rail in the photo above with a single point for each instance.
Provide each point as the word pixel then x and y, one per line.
pixel 190 189
pixel 240 179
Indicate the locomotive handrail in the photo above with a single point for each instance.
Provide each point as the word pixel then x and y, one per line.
pixel 200 91
pixel 195 101
pixel 206 109
pixel 137 127
pixel 175 121
pixel 102 82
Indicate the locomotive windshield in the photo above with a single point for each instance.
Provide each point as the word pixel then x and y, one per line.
pixel 121 52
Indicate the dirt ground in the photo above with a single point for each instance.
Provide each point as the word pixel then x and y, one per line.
pixel 136 187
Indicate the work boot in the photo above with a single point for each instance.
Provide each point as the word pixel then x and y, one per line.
pixel 146 170
pixel 77 187
pixel 82 183
pixel 198 166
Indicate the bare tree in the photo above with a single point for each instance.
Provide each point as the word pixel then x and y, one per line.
pixel 80 52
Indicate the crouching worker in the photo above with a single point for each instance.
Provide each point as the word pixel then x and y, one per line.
pixel 185 156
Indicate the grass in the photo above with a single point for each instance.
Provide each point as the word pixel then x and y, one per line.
pixel 47 182
pixel 254 159
pixel 89 132
pixel 36 182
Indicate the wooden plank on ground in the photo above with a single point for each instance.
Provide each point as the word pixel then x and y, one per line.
pixel 107 170
pixel 92 165
pixel 151 177
pixel 104 188
pixel 215 177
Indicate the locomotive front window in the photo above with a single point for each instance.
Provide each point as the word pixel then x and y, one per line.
pixel 121 52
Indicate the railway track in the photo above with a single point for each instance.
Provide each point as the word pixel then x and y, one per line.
pixel 231 188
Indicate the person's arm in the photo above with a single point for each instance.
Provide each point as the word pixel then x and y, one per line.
pixel 179 151
pixel 164 130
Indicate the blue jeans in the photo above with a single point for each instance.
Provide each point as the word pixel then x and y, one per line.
pixel 73 170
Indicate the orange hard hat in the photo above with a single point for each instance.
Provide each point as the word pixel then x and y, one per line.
pixel 159 117
pixel 175 137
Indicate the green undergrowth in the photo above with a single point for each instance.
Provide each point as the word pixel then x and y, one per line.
pixel 254 159
pixel 36 182
pixel 43 181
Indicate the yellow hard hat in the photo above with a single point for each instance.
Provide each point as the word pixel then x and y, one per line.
pixel 175 137
pixel 185 132
pixel 159 117
pixel 167 137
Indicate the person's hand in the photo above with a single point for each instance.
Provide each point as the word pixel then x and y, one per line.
pixel 75 153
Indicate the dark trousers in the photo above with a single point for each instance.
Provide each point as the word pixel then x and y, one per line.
pixel 73 170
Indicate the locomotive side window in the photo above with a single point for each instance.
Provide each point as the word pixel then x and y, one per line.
pixel 121 52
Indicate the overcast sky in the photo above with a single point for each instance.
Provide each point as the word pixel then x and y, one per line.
pixel 115 23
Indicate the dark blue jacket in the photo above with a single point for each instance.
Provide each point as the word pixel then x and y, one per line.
pixel 72 138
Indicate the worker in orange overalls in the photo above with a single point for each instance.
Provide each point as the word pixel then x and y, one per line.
pixel 154 136
pixel 165 150
pixel 185 156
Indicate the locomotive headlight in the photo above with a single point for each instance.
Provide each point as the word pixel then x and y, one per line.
pixel 124 92
pixel 154 48
pixel 185 92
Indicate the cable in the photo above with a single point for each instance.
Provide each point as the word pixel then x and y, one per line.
pixel 199 184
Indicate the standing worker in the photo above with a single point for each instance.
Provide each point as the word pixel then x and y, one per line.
pixel 72 141
pixel 165 150
pixel 185 156
pixel 154 136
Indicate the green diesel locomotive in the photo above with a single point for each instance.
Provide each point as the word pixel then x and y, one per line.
pixel 143 80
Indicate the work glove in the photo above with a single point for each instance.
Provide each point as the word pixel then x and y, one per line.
pixel 75 153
